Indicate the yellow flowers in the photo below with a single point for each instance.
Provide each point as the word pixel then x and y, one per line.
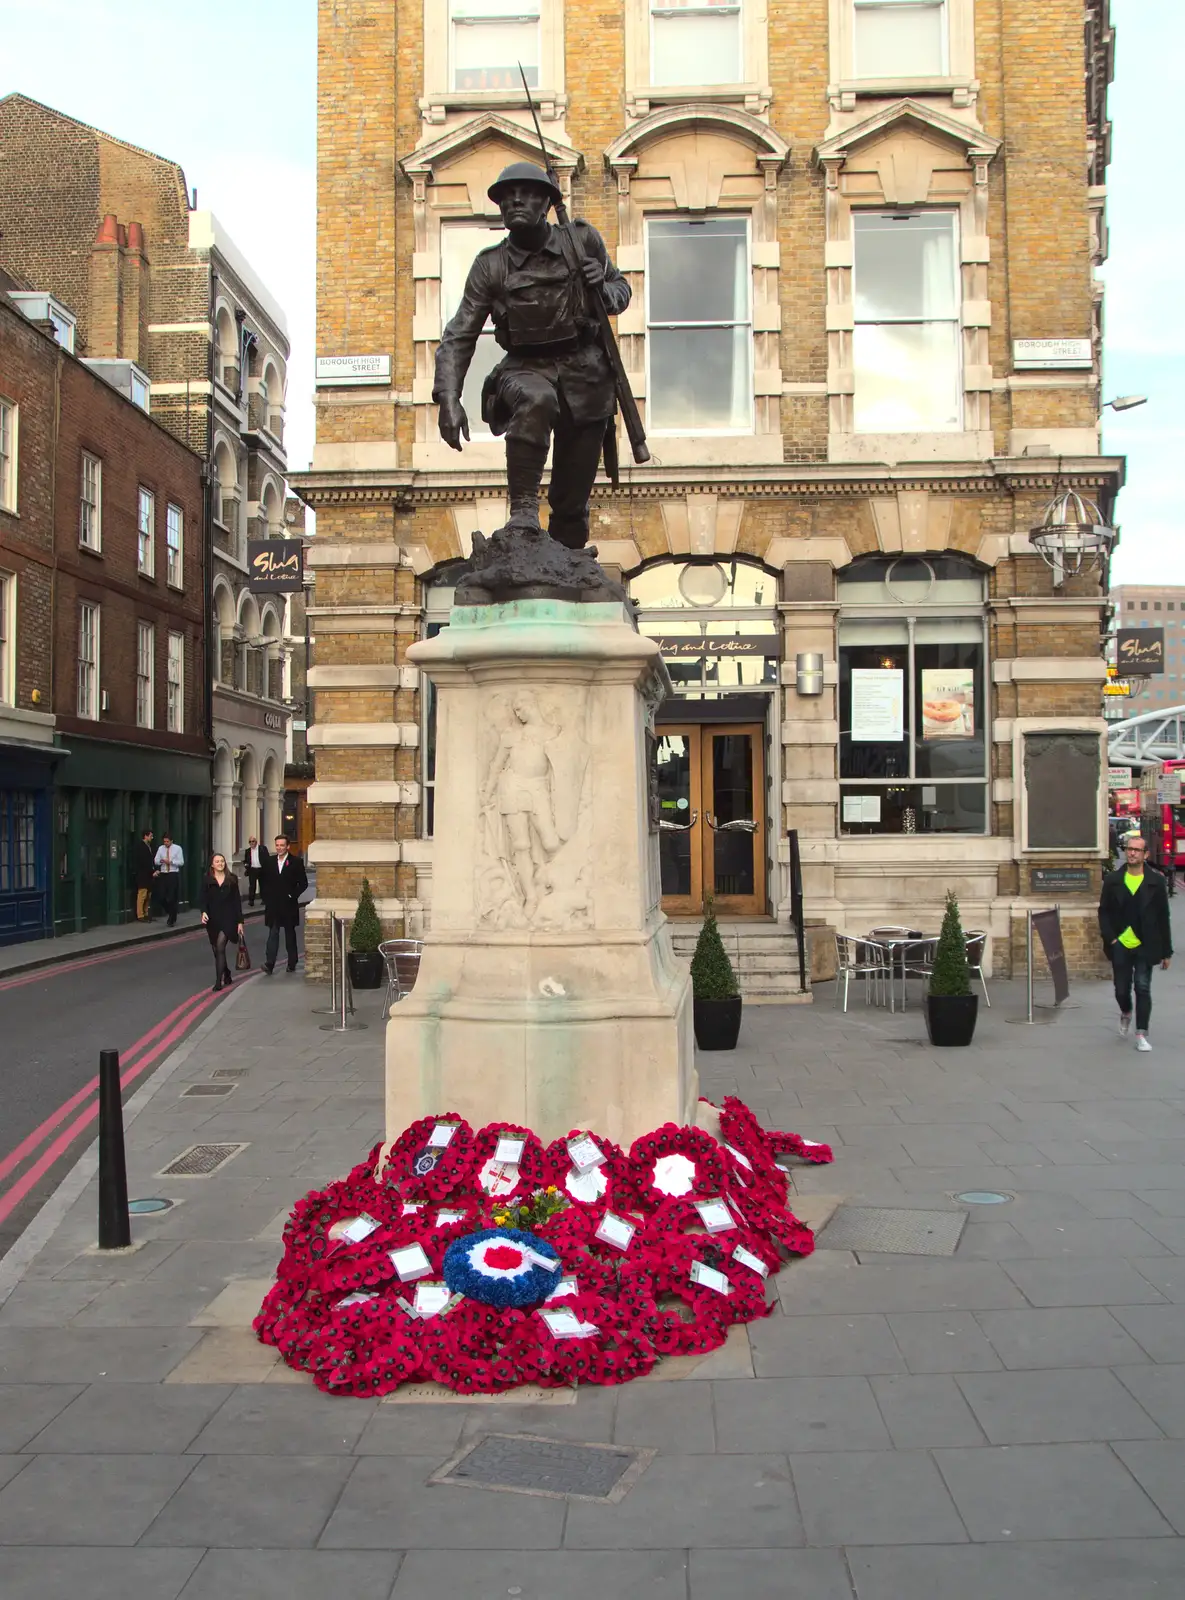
pixel 551 1189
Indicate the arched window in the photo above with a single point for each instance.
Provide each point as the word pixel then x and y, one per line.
pixel 913 696
pixel 716 621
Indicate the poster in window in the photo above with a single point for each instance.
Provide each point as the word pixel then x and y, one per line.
pixel 878 705
pixel 948 702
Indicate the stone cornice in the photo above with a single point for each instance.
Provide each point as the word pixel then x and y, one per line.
pixel 408 489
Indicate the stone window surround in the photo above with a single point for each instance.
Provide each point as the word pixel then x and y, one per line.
pixel 440 100
pixel 670 127
pixel 959 81
pixel 641 97
pixel 904 131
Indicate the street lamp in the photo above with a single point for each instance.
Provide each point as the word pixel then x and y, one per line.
pixel 1126 402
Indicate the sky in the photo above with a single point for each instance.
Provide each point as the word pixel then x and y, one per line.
pixel 140 69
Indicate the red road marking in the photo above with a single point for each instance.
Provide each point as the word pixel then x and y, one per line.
pixel 64 968
pixel 18 1191
pixel 29 1144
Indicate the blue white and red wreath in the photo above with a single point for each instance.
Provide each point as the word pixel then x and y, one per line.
pixel 502 1267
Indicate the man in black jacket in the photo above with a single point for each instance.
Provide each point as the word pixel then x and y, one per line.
pixel 284 880
pixel 1134 923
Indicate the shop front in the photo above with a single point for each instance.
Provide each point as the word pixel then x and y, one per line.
pixel 105 795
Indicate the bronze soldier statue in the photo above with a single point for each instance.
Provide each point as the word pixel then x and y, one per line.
pixel 555 383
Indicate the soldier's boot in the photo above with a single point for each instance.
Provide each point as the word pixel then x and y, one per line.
pixel 524 473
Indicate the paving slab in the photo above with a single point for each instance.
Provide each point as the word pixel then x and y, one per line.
pixel 256 1420
pixel 88 1500
pixel 389 1504
pixel 251 1501
pixel 1083 1337
pixel 1158 1466
pixel 130 1418
pixel 1159 1330
pixel 798 1414
pixel 1082 1282
pixel 1055 1407
pixel 1161 1392
pixel 724 1502
pixel 294 1575
pixel 26 1408
pixel 1120 1569
pixel 1048 1491
pixel 923 1412
pixel 824 1346
pixel 58 1573
pixel 768 1575
pixel 541 1574
pixel 874 1497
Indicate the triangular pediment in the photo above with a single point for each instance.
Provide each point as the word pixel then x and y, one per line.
pixel 489 126
pixel 975 143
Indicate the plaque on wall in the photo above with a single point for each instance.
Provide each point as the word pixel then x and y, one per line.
pixel 1061 777
pixel 1061 880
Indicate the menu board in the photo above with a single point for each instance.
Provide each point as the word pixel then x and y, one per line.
pixel 948 702
pixel 878 705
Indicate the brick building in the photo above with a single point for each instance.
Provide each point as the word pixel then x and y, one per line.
pixel 102 636
pixel 110 231
pixel 865 337
pixel 1157 605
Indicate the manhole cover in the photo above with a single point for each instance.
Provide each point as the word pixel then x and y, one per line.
pixel 206 1090
pixel 525 1464
pixel 982 1197
pixel 146 1208
pixel 230 1072
pixel 889 1231
pixel 200 1160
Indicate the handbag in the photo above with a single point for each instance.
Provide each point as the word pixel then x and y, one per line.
pixel 243 959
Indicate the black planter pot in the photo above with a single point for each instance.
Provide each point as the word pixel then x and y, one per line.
pixel 717 1022
pixel 366 968
pixel 950 1018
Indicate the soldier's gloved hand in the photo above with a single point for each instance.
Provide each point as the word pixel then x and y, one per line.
pixel 594 272
pixel 454 424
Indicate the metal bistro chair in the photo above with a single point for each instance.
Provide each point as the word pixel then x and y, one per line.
pixel 976 942
pixel 403 965
pixel 890 954
pixel 856 958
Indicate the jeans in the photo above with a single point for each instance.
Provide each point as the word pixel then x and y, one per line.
pixel 1129 965
pixel 273 944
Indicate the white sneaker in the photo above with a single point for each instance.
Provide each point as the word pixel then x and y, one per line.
pixel 1142 1042
pixel 1125 1024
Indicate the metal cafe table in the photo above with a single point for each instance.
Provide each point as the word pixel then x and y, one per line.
pixel 905 953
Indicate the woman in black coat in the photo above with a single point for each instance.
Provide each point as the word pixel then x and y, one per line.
pixel 222 916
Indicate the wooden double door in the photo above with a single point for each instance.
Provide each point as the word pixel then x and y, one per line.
pixel 711 791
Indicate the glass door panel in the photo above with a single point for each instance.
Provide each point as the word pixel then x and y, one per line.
pixel 734 800
pixel 677 757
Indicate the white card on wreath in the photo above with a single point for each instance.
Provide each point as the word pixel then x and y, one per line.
pixel 567 1325
pixel 564 1288
pixel 358 1298
pixel 408 1208
pixel 431 1298
pixel 441 1135
pixel 708 1278
pixel 359 1228
pixel 446 1217
pixel 616 1231
pixel 410 1263
pixel 510 1150
pixel 585 1153
pixel 748 1259
pixel 715 1215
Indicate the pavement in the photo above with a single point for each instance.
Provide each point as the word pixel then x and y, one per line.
pixel 1007 1421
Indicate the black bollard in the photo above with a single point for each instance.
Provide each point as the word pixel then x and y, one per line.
pixel 115 1232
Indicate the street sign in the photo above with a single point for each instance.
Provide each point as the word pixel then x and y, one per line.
pixel 1051 353
pixel 1168 789
pixel 1119 777
pixel 342 371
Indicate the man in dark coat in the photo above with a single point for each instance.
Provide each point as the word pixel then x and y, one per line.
pixel 143 869
pixel 1134 923
pixel 555 383
pixel 283 881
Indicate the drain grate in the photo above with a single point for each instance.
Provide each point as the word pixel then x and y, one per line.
pixel 523 1463
pixel 200 1160
pixel 230 1072
pixel 207 1091
pixel 889 1231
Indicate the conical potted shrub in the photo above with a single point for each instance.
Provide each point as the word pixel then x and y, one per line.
pixel 951 1004
pixel 366 932
pixel 716 1000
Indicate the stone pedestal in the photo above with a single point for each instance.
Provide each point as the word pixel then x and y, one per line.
pixel 548 993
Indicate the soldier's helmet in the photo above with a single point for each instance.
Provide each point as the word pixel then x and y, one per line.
pixel 524 172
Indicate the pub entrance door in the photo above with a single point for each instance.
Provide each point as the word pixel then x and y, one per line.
pixel 711 789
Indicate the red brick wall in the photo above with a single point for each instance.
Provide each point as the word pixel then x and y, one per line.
pixel 28 362
pixel 135 451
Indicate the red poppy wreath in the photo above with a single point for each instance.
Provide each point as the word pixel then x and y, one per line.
pixel 430 1158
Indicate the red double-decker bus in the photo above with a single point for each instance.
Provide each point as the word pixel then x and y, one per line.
pixel 1163 826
